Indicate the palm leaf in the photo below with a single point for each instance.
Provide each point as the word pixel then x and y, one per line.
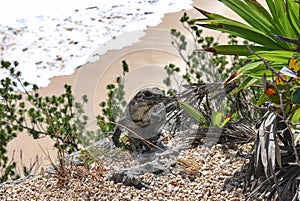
pixel 249 81
pixel 293 15
pixel 240 50
pixel 243 31
pixel 260 70
pixel 255 17
pixel 193 112
pixel 258 8
pixel 265 146
pixel 282 24
pixel 281 18
pixel 282 56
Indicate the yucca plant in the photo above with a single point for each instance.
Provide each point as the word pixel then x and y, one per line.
pixel 262 27
pixel 274 34
pixel 274 54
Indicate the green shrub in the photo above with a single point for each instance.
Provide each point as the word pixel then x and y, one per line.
pixel 58 117
pixel 113 107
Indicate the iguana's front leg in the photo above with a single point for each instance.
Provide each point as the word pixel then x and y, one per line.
pixel 116 137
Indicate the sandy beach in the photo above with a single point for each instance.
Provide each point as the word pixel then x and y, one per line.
pixel 146 59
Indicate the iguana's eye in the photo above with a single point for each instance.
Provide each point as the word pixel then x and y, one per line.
pixel 147 93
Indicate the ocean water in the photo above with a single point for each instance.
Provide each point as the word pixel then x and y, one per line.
pixel 51 38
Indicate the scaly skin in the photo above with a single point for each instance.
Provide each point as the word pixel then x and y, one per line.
pixel 144 115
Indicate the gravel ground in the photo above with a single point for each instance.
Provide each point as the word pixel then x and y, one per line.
pixel 216 177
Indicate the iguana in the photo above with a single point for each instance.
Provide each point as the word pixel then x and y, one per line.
pixel 145 116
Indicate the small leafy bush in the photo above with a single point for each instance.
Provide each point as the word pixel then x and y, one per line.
pixel 113 107
pixel 58 117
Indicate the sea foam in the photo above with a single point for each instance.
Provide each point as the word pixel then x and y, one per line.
pixel 52 38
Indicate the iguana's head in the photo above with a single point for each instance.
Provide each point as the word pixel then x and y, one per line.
pixel 150 96
pixel 141 104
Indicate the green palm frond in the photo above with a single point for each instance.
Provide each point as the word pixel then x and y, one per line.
pixel 273 30
pixel 261 25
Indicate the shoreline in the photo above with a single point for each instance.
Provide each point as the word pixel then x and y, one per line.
pixel 76 34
